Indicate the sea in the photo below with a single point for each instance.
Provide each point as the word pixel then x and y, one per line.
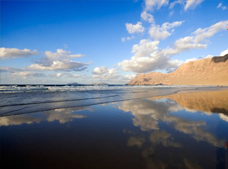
pixel 113 126
pixel 20 99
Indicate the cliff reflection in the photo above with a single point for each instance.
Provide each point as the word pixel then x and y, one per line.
pixel 148 113
pixel 153 133
pixel 210 101
pixel 169 138
pixel 60 115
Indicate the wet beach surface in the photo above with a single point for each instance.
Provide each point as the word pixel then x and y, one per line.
pixel 183 130
pixel 23 101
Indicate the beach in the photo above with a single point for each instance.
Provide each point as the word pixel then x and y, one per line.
pixel 134 127
pixel 114 84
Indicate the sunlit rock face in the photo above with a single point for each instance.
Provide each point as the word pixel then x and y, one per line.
pixel 208 71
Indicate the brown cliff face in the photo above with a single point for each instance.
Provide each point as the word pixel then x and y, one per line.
pixel 208 71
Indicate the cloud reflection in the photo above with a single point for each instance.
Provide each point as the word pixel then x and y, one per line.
pixel 159 143
pixel 148 114
pixel 136 141
pixel 18 120
pixel 60 115
pixel 162 137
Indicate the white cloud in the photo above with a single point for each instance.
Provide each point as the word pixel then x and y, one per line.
pixel 128 77
pixel 60 53
pixel 123 39
pixel 100 70
pixel 192 59
pixel 151 4
pixel 209 56
pixel 110 78
pixel 156 60
pixel 112 71
pixel 223 53
pixel 137 28
pixel 9 69
pixel 145 48
pixel 222 7
pixel 65 45
pixel 188 4
pixel 219 5
pixel 174 3
pixel 190 42
pixel 6 53
pixel 74 75
pixel 57 75
pixel 185 43
pixel 148 57
pixel 202 34
pixel 191 4
pixel 59 61
pixel 26 74
pixel 127 38
pixel 171 13
pixel 104 74
pixel 147 17
pixel 162 32
pixel 66 75
pixel 66 65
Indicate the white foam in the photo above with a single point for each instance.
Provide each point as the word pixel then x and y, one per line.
pixel 40 88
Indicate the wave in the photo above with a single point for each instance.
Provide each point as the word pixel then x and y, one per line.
pixel 54 88
pixel 31 103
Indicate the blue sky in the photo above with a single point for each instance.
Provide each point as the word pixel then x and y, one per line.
pixel 106 41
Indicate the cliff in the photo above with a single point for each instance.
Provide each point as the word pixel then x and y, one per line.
pixel 208 71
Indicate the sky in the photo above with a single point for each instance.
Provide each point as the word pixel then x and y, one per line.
pixel 112 41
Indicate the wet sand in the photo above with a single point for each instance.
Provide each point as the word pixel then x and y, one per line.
pixel 32 102
pixel 182 130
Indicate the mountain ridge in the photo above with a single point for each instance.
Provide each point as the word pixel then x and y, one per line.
pixel 208 71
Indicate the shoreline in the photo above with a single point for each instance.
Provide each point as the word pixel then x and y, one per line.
pixel 11 110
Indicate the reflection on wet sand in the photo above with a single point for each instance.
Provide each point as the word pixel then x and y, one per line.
pixel 210 101
pixel 147 115
pixel 151 114
pixel 164 132
pixel 61 115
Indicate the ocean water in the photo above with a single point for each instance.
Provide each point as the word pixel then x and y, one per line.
pixel 20 99
pixel 124 127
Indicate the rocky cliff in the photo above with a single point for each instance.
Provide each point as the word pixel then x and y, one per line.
pixel 208 71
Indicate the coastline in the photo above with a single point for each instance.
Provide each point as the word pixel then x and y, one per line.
pixel 94 98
